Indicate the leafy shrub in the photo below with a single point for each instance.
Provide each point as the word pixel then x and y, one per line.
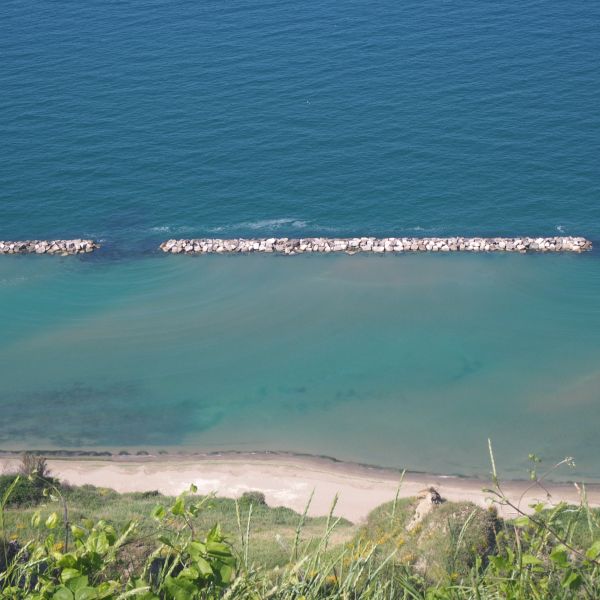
pixel 31 480
pixel 445 545
pixel 151 494
pixel 253 497
pixel 74 561
pixel 452 538
pixel 27 491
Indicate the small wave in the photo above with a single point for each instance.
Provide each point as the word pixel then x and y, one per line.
pixel 11 282
pixel 428 230
pixel 277 223
pixel 560 228
pixel 97 237
pixel 170 229
pixel 264 224
pixel 419 228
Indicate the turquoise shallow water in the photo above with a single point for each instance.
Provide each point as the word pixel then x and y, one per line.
pixel 403 361
pixel 136 121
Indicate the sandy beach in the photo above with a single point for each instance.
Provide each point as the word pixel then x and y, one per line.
pixel 288 480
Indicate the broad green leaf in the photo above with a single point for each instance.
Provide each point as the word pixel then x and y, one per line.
pixel 86 593
pixel 180 588
pixel 35 519
pixel 159 512
pixel 218 549
pixel 62 593
pixel 77 583
pixel 560 556
pixel 103 544
pixel 593 551
pixel 572 580
pixel 529 559
pixel 77 532
pixel 196 549
pixel 189 573
pixel 52 521
pixel 69 573
pixel 214 535
pixel 204 567
pixel 226 573
pixel 67 560
pixel 522 521
pixel 179 507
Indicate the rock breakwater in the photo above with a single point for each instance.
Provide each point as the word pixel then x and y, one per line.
pixel 60 247
pixel 292 246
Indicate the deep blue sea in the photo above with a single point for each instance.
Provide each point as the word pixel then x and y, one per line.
pixel 133 122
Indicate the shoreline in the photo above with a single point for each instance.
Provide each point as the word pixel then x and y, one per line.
pixel 288 480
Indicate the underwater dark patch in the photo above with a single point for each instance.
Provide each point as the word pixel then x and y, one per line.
pixel 80 415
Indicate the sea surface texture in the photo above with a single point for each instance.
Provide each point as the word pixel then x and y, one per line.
pixel 133 122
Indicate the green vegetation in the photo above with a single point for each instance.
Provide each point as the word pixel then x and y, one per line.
pixel 29 489
pixel 273 529
pixel 443 547
pixel 81 543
